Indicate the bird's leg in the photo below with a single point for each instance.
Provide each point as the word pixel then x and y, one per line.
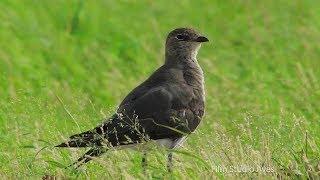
pixel 169 163
pixel 144 162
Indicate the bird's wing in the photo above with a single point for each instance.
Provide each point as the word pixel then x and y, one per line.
pixel 163 111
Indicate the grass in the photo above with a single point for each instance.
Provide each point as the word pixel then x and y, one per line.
pixel 65 65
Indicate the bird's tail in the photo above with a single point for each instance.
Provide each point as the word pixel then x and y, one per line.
pixel 113 132
pixel 85 139
pixel 94 137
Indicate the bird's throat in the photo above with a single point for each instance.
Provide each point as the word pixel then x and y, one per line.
pixel 182 59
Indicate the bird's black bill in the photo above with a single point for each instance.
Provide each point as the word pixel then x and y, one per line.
pixel 202 39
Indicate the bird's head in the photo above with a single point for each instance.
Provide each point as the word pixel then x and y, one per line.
pixel 183 43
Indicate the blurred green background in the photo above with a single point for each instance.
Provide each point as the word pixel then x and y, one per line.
pixel 65 65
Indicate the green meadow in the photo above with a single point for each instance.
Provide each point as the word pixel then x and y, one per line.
pixel 66 65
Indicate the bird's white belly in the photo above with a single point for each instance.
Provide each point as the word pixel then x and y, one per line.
pixel 167 143
pixel 171 144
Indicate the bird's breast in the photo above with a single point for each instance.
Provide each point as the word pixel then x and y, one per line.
pixel 194 78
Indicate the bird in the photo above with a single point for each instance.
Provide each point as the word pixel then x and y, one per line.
pixel 165 108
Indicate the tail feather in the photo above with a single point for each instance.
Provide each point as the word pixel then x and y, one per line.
pixel 89 138
pixel 114 132
pixel 85 139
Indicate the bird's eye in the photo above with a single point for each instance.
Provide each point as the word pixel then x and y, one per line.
pixel 182 37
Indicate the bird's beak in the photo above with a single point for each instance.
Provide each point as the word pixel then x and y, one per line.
pixel 201 39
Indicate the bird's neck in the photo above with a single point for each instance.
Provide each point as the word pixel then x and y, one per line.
pixel 182 59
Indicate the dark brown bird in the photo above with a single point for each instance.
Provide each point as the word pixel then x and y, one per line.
pixel 165 108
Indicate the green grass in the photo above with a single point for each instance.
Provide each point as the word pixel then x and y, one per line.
pixel 261 70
